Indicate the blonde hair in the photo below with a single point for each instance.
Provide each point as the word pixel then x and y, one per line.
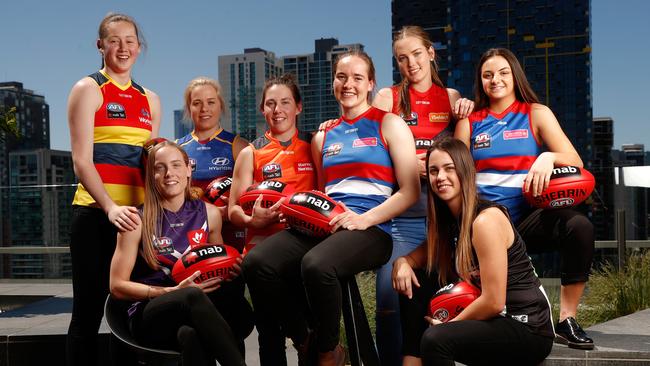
pixel 439 240
pixel 196 82
pixel 152 210
pixel 414 31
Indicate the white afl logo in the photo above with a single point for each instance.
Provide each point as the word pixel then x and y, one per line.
pixel 220 161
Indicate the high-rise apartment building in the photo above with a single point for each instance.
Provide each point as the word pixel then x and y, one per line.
pixel 313 72
pixel 33 122
pixel 182 126
pixel 603 170
pixel 242 79
pixel 41 188
pixel 632 199
pixel 551 39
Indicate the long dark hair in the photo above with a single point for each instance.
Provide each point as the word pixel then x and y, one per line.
pixel 404 102
pixel 523 91
pixel 439 246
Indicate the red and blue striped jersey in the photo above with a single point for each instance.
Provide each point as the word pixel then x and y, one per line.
pixel 504 148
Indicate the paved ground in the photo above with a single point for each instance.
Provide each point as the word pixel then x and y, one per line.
pixel 625 340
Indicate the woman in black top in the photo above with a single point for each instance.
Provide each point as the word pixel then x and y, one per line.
pixel 474 240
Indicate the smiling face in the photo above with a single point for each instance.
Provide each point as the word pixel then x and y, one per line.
pixel 171 172
pixel 352 85
pixel 414 59
pixel 205 107
pixel 497 79
pixel 280 111
pixel 120 46
pixel 443 177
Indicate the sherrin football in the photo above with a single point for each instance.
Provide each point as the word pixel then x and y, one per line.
pixel 450 300
pixel 310 212
pixel 271 190
pixel 213 260
pixel 218 188
pixel 568 187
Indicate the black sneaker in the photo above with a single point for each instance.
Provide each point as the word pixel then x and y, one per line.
pixel 570 333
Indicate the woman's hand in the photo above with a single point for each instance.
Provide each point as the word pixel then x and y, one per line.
pixel 462 108
pixel 432 321
pixel 207 285
pixel 236 270
pixel 422 165
pixel 539 174
pixel 223 210
pixel 125 218
pixel 404 277
pixel 327 124
pixel 263 217
pixel 348 220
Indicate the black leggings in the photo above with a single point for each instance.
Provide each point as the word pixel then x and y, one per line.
pixel 498 341
pixel 232 305
pixel 565 230
pixel 273 270
pixel 92 243
pixel 186 320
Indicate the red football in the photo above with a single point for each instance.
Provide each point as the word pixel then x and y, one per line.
pixel 213 260
pixel 450 300
pixel 271 190
pixel 218 188
pixel 310 212
pixel 569 186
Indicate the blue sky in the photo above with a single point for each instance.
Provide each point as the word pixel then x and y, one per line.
pixel 48 46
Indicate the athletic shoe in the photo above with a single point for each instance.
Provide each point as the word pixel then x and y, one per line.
pixel 570 333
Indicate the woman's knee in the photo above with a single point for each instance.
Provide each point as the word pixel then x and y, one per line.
pixel 317 269
pixel 433 343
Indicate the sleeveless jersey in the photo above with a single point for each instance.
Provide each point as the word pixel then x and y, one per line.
pixel 180 232
pixel 357 166
pixel 289 162
pixel 122 125
pixel 430 116
pixel 503 146
pixel 526 300
pixel 210 159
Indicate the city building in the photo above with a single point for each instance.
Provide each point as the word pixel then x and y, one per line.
pixel 313 72
pixel 182 126
pixel 33 122
pixel 633 200
pixel 41 188
pixel 242 77
pixel 551 38
pixel 603 170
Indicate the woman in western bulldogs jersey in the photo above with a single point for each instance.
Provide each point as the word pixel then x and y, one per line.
pixel 161 313
pixel 474 240
pixel 282 154
pixel 506 136
pixel 212 150
pixel 110 118
pixel 430 110
pixel 361 160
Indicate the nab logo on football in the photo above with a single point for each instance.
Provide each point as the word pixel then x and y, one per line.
pixel 272 170
pixel 313 202
pixel 115 110
pixel 482 141
pixel 564 171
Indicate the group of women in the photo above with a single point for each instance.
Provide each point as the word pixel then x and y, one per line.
pixel 414 210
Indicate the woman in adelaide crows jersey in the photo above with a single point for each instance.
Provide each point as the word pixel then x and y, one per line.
pixel 510 322
pixel 163 314
pixel 110 118
pixel 361 160
pixel 506 135
pixel 430 110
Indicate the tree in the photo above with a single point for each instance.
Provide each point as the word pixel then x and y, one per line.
pixel 8 123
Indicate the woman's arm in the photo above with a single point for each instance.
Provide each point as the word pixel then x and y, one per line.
pixel 403 275
pixel 156 112
pixel 492 235
pixel 238 145
pixel 460 107
pixel 462 131
pixel 84 100
pixel 402 152
pixel 560 150
pixel 122 264
pixel 384 100
pixel 215 223
pixel 316 150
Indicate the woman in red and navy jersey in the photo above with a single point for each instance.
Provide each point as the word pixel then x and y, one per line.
pixel 361 159
pixel 430 110
pixel 516 142
pixel 110 118
pixel 161 313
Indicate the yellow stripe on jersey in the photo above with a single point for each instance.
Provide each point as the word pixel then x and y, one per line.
pixel 122 195
pixel 121 135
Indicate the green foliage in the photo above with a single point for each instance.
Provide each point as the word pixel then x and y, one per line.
pixel 8 123
pixel 612 293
